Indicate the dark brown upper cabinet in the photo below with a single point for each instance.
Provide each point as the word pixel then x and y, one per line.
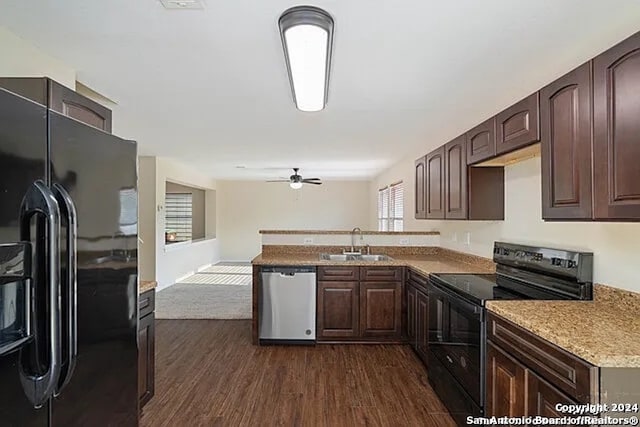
pixel 481 142
pixel 616 131
pixel 454 190
pixel 435 199
pixel 518 125
pixel 565 121
pixel 455 173
pixel 420 211
pixel 61 99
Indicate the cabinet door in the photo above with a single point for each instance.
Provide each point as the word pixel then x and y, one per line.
pixel 81 108
pixel 481 142
pixel 455 158
pixel 412 294
pixel 381 309
pixel 435 184
pixel 616 145
pixel 518 125
pixel 506 385
pixel 419 186
pixel 422 325
pixel 146 358
pixel 337 310
pixel 565 116
pixel 542 398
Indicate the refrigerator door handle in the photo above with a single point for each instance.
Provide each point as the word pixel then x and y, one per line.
pixel 68 210
pixel 39 200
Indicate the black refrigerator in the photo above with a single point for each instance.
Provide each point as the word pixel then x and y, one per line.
pixel 68 271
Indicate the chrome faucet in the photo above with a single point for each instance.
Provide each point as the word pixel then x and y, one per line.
pixel 353 239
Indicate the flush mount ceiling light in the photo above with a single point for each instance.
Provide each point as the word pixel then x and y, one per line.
pixel 307 37
pixel 182 4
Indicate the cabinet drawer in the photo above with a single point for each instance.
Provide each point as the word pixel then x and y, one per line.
pixel 417 278
pixel 385 273
pixel 331 272
pixel 146 303
pixel 572 375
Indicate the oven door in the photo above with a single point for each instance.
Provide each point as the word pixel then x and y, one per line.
pixel 455 338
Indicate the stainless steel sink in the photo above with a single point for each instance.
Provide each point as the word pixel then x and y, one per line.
pixel 337 257
pixel 375 258
pixel 355 257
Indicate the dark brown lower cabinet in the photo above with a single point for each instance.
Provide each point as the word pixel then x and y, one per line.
pixel 381 309
pixel 542 397
pixel 337 313
pixel 365 310
pixel 506 387
pixel 412 295
pixel 146 346
pixel 146 358
pixel 528 376
pixel 422 325
pixel 418 314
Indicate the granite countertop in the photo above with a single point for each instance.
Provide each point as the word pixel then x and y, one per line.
pixel 424 264
pixel 605 332
pixel 368 232
pixel 146 285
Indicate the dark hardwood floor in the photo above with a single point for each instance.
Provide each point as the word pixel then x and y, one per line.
pixel 209 374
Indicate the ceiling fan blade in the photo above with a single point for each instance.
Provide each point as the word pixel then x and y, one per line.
pixel 312 182
pixel 312 179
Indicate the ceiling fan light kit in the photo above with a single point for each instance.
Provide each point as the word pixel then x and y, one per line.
pixel 295 185
pixel 307 39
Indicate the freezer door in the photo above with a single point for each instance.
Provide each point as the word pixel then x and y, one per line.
pixel 288 305
pixel 23 150
pixel 98 172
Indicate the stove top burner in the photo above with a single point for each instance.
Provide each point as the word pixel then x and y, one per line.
pixel 477 287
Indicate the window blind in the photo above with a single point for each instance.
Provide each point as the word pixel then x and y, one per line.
pixel 391 208
pixel 396 204
pixel 179 215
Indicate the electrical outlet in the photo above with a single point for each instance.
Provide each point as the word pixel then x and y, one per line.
pixel 467 238
pixel 404 241
pixel 308 240
pixel 454 237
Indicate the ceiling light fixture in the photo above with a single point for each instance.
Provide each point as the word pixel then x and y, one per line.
pixel 307 39
pixel 295 185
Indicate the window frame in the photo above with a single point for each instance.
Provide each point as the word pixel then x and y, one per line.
pixel 387 220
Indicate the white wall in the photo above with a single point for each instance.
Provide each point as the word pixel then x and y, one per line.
pixel 616 246
pixel 245 207
pixel 21 59
pixel 147 217
pixel 168 264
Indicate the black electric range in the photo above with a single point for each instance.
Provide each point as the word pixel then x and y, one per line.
pixel 457 315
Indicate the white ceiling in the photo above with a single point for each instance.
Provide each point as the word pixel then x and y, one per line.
pixel 209 87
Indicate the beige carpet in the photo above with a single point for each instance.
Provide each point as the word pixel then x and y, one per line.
pixel 218 292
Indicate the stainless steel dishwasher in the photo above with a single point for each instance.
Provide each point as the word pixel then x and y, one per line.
pixel 288 304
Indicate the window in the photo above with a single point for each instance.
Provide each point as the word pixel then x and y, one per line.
pixel 391 208
pixel 178 217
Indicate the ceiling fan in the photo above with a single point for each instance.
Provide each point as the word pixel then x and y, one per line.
pixel 295 181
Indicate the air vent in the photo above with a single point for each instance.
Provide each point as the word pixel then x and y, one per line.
pixel 182 4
